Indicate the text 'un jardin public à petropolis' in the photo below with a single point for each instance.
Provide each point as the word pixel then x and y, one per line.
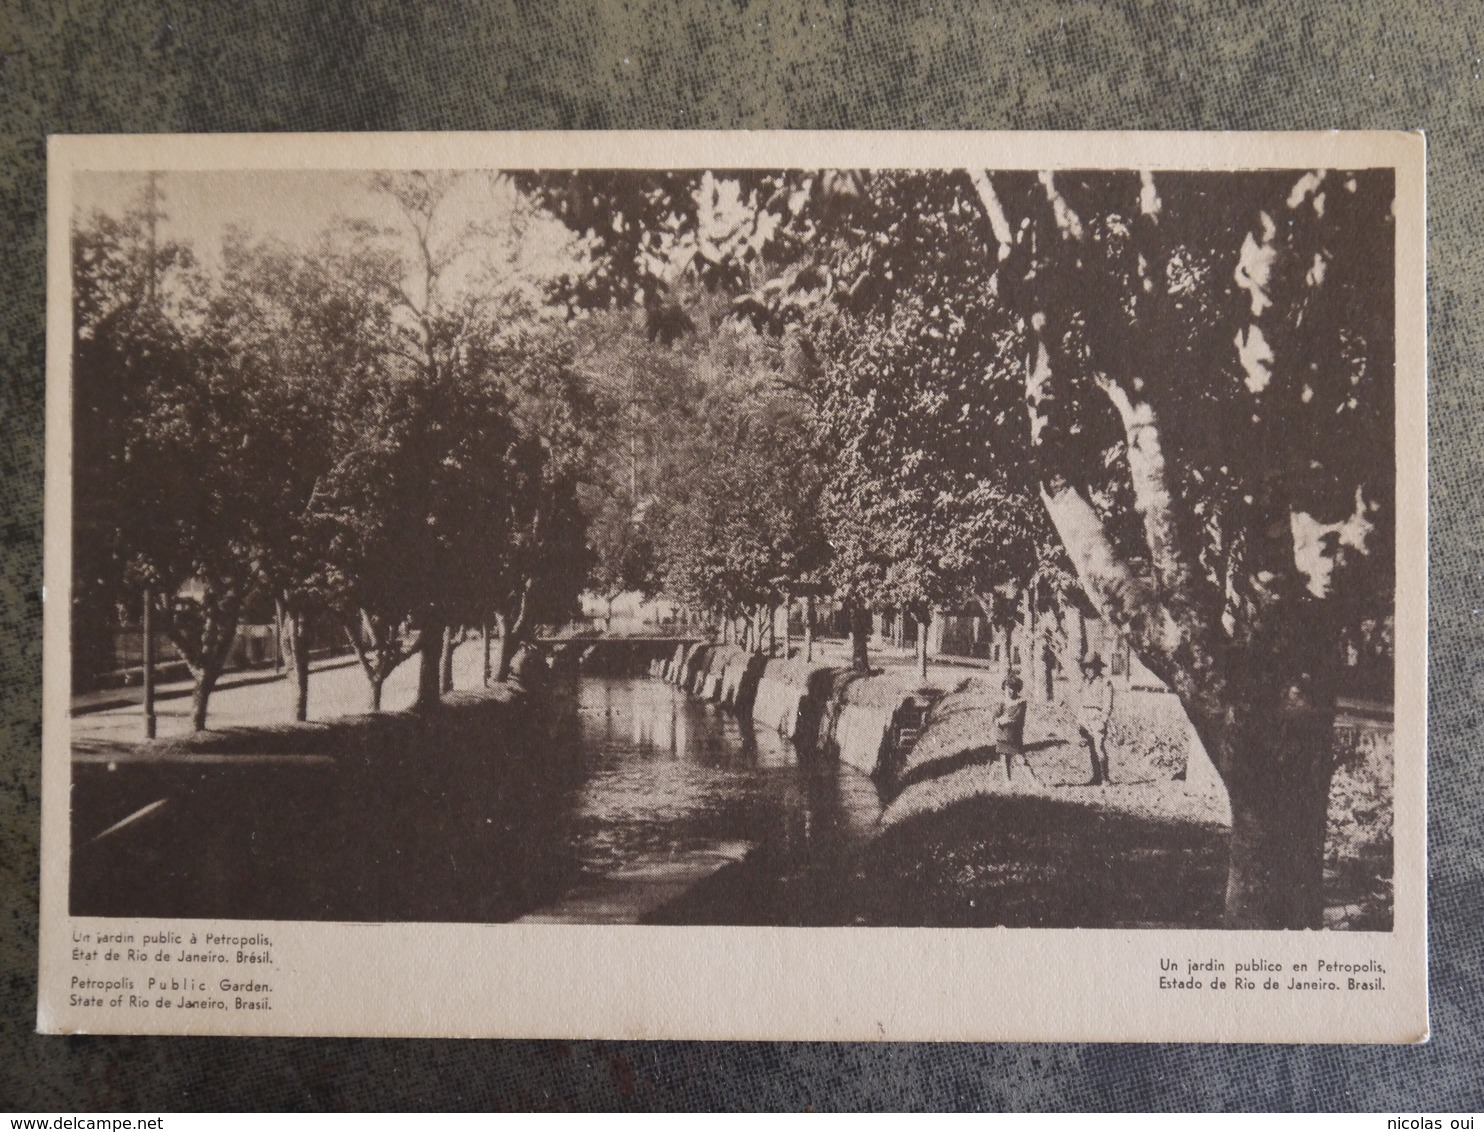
pixel 169 971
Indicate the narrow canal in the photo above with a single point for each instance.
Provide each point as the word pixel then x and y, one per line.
pixel 612 800
pixel 680 812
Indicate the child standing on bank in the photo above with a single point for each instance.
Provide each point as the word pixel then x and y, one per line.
pixel 1010 727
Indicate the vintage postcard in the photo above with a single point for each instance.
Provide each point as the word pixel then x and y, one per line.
pixel 756 585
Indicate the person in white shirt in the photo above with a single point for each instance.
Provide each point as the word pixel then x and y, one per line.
pixel 1010 727
pixel 1093 713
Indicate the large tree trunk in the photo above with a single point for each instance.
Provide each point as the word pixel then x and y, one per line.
pixel 484 634
pixel 509 643
pixel 1270 743
pixel 429 664
pixel 808 628
pixel 445 661
pixel 206 644
pixel 200 697
pixel 513 629
pixel 301 677
pixel 1277 767
pixel 207 669
pixel 921 649
pixel 860 638
pixel 369 658
pixel 293 631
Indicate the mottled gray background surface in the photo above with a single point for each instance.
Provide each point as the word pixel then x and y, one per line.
pixel 135 65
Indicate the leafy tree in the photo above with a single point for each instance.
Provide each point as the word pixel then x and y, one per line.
pixel 643 396
pixel 192 485
pixel 664 243
pixel 1209 382
pixel 166 422
pixel 930 503
pixel 741 529
pixel 1206 365
pixel 418 512
pixel 542 559
pixel 124 308
pixel 372 506
pixel 621 546
pixel 312 327
pixel 438 325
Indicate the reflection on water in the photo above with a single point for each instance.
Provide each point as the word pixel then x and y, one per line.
pixel 620 801
pixel 664 790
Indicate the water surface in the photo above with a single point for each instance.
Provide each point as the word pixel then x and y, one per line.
pixel 669 794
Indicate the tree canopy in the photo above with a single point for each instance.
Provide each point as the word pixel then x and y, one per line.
pixel 1192 372
pixel 1170 393
pixel 368 429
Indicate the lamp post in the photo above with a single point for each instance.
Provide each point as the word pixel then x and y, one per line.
pixel 148 662
pixel 809 625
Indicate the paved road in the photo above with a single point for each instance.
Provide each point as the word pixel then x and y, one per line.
pixel 336 687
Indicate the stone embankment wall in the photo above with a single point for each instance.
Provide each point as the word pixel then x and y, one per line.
pixel 858 719
pixel 888 726
pixel 610 656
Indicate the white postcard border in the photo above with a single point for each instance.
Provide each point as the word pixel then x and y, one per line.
pixel 786 983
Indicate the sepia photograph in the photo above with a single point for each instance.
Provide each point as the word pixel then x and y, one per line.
pixel 869 546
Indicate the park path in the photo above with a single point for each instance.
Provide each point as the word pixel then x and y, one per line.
pixel 337 686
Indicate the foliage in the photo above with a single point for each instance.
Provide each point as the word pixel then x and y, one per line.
pixel 1205 363
pixel 740 517
pixel 641 229
pixel 930 501
pixel 123 326
pixel 346 426
pixel 311 329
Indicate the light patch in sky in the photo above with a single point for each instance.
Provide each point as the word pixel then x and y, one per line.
pixel 297 205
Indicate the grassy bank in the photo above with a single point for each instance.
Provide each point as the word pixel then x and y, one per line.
pixel 960 843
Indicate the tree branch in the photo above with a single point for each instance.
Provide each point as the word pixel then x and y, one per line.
pixel 999 223
pixel 355 643
pixel 1153 498
pixel 1066 218
pixel 1038 382
pixel 1181 588
pixel 1122 594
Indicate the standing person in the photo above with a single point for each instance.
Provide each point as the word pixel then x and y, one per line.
pixel 1010 727
pixel 1049 666
pixel 1094 711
